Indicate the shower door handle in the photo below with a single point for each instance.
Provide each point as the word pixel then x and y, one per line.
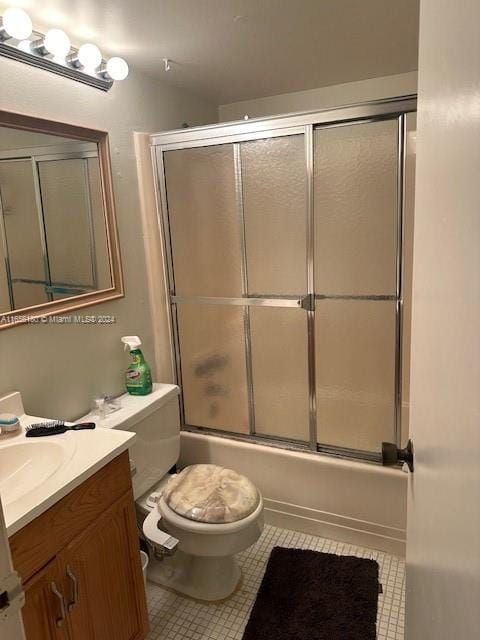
pixel 296 302
pixel 308 302
pixel 392 455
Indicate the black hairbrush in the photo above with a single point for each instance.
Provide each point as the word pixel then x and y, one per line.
pixel 54 427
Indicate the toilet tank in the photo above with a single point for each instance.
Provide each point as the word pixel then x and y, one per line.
pixel 155 418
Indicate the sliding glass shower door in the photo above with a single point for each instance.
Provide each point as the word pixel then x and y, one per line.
pixel 238 236
pixel 285 270
pixel 52 228
pixel 356 205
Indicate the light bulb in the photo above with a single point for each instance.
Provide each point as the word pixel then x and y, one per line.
pixel 117 68
pixel 89 56
pixel 17 23
pixel 57 43
pixel 25 45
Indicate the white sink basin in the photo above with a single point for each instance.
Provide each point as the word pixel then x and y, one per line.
pixel 26 465
pixel 35 473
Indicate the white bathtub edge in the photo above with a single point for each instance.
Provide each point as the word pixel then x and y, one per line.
pixel 333 526
pixel 345 500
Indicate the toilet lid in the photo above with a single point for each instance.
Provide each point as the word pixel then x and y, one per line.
pixel 213 494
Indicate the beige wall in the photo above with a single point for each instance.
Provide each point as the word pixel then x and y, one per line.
pixel 323 97
pixel 57 368
pixel 158 294
pixel 15 139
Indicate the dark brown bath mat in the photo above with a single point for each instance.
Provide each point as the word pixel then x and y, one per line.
pixel 307 595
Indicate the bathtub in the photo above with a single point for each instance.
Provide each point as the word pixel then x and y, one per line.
pixel 354 502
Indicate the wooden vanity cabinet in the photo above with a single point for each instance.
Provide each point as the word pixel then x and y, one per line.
pixel 80 563
pixel 42 605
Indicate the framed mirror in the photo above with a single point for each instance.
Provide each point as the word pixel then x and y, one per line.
pixel 58 236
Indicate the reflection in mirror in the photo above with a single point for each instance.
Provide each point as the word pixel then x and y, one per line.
pixel 53 234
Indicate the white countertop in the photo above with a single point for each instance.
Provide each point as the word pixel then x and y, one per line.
pixel 83 453
pixel 134 409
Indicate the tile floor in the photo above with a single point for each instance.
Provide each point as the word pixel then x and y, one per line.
pixel 173 617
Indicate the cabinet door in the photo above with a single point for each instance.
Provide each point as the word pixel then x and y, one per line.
pixel 44 611
pixel 103 578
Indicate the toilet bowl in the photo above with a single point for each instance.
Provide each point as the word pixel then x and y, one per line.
pixel 203 565
pixel 194 536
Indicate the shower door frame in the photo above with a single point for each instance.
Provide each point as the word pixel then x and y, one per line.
pixel 304 123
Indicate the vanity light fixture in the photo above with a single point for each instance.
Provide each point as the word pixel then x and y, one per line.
pixel 89 57
pixel 16 24
pixel 25 45
pixel 55 42
pixel 54 52
pixel 117 68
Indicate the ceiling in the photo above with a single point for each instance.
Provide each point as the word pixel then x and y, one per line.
pixel 231 50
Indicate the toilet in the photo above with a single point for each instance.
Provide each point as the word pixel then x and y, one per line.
pixel 195 521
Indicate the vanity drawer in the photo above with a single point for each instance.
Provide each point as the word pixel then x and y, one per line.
pixel 39 541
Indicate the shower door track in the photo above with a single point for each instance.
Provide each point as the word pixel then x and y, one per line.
pixel 262 128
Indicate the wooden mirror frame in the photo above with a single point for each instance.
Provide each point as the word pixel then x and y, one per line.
pixel 67 305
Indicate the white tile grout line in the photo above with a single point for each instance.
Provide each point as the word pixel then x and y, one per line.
pixel 173 617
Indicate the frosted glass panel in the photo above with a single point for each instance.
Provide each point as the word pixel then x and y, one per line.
pixel 355 357
pixel 22 227
pixel 213 366
pixel 104 277
pixel 280 372
pixel 204 221
pixel 274 196
pixel 355 200
pixel 66 212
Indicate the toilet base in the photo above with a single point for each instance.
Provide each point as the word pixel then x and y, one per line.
pixel 199 577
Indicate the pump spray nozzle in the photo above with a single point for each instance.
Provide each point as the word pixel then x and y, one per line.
pixel 131 342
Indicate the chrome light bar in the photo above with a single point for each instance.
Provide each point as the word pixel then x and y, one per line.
pixel 53 52
pixel 48 64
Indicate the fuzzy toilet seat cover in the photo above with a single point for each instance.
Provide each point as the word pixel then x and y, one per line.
pixel 211 494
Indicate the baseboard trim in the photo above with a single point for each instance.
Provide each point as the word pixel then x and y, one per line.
pixel 334 526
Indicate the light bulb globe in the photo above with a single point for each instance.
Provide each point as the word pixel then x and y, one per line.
pixel 25 45
pixel 17 23
pixel 89 56
pixel 57 43
pixel 117 68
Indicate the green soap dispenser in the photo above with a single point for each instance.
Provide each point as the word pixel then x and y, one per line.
pixel 138 377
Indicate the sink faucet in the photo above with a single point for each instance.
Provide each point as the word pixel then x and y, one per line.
pixel 106 404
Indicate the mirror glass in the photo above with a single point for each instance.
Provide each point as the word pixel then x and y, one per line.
pixel 53 232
